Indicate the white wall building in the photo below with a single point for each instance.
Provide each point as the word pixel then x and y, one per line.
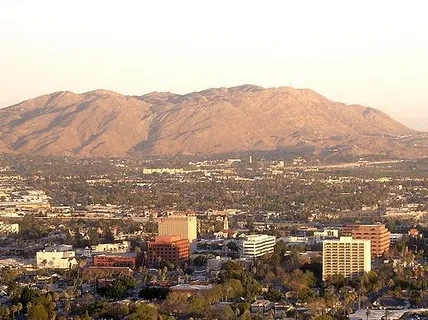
pixel 256 245
pixel 346 256
pixel 119 247
pixel 8 228
pixel 327 233
pixel 56 259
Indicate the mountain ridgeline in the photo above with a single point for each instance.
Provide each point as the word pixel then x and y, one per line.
pixel 213 121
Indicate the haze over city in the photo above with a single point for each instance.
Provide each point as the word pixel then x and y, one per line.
pixel 368 53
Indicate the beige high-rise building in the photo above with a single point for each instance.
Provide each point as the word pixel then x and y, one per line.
pixel 346 256
pixel 378 234
pixel 183 226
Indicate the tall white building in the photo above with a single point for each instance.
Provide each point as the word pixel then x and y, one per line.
pixel 183 226
pixel 256 245
pixel 346 256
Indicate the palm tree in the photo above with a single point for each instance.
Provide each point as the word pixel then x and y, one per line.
pixel 19 307
pixel 13 308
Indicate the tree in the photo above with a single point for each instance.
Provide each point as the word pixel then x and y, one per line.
pixel 38 312
pixel 19 307
pixel 4 313
pixel 144 312
pixel 13 308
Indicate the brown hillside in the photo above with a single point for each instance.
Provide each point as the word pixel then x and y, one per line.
pixel 104 123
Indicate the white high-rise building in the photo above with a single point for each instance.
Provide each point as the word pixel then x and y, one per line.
pixel 256 245
pixel 346 256
pixel 183 226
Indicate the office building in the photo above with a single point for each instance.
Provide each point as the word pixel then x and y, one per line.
pixel 129 260
pixel 168 248
pixel 256 245
pixel 346 256
pixel 183 226
pixel 378 234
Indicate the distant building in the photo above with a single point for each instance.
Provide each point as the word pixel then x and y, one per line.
pixel 346 256
pixel 261 306
pixel 256 245
pixel 183 226
pixel 129 260
pixel 326 234
pixel 60 257
pixel 120 247
pixel 189 290
pixel 8 228
pixel 168 248
pixel 378 234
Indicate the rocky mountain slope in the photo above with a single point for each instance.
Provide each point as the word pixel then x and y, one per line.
pixel 213 121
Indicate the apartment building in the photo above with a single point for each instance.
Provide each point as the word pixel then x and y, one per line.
pixel 183 226
pixel 378 234
pixel 256 245
pixel 346 256
pixel 168 248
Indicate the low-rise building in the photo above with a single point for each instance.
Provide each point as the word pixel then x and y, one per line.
pixel 57 257
pixel 119 247
pixel 8 228
pixel 327 234
pixel 129 260
pixel 256 245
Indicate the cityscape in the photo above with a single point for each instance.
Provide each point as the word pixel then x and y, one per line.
pixel 147 239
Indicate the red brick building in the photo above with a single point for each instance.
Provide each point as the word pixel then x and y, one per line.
pixel 129 260
pixel 168 248
pixel 378 234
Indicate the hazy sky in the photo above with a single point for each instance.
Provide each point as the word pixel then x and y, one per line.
pixel 373 53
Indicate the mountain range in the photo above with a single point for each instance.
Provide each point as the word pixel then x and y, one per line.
pixel 213 121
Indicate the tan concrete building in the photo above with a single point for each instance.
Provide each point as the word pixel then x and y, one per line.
pixel 346 256
pixel 378 234
pixel 183 226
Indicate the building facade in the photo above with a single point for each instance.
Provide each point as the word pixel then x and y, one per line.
pixel 378 234
pixel 346 256
pixel 129 260
pixel 56 259
pixel 183 226
pixel 119 247
pixel 327 233
pixel 8 228
pixel 168 248
pixel 256 245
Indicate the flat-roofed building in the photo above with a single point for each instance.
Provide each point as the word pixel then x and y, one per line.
pixel 256 245
pixel 168 248
pixel 129 260
pixel 57 257
pixel 183 226
pixel 346 256
pixel 8 228
pixel 378 234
